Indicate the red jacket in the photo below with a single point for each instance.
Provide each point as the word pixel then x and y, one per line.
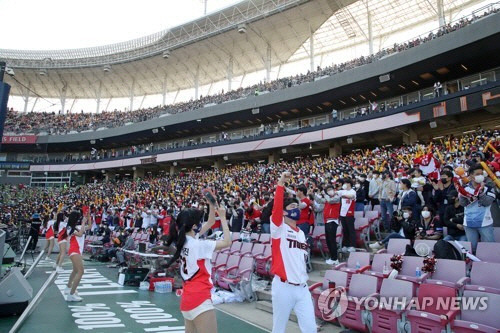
pixel 331 211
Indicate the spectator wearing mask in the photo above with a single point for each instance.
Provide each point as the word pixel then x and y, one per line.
pixel 477 198
pixel 348 202
pixel 305 206
pixel 374 188
pixel 237 217
pixel 129 245
pixel 365 184
pixel 408 197
pixel 146 219
pixel 387 195
pixel 418 183
pixel 252 217
pixel 360 197
pixel 440 193
pixel 429 226
pixel 454 218
pixel 265 217
pixel 331 214
pixel 403 227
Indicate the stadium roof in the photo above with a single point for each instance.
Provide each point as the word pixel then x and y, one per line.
pixel 206 50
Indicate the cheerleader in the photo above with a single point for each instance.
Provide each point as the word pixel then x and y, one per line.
pixel 60 225
pixel 49 235
pixel 195 254
pixel 76 236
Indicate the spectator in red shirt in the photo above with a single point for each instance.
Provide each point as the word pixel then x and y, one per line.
pixel 252 216
pixel 305 206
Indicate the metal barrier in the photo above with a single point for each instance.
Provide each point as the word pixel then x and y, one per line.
pixel 33 265
pixel 25 248
pixel 33 303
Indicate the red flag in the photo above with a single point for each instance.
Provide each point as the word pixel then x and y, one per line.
pixel 429 165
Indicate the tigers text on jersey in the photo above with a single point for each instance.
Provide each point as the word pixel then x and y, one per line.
pixel 195 271
pixel 289 246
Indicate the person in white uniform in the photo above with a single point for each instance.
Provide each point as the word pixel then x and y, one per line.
pixel 289 256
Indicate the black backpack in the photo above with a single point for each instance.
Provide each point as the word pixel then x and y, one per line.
pixel 445 250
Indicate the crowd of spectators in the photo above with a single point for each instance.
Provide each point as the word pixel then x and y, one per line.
pixel 426 200
pixel 66 122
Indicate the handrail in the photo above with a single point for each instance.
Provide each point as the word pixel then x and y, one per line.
pixel 33 265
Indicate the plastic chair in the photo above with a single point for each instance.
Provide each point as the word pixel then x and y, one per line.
pixel 263 263
pixel 489 252
pixel 450 273
pixel 484 277
pixel 362 227
pixel 377 268
pixel 389 320
pixel 396 246
pixel 429 317
pixel 475 320
pixel 222 271
pixel 356 318
pixel 339 278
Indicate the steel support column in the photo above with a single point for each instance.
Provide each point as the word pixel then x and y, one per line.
pixel 164 92
pixel 440 12
pixel 98 95
pixel 197 82
pixel 370 29
pixel 268 63
pixel 311 50
pixel 132 95
pixel 229 73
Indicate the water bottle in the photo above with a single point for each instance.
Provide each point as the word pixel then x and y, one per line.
pixel 385 270
pixel 358 266
pixel 418 273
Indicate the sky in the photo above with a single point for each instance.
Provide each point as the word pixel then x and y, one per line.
pixel 66 24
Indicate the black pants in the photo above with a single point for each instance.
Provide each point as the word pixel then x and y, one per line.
pixel 331 239
pixel 34 239
pixel 349 238
pixel 236 225
pixel 374 202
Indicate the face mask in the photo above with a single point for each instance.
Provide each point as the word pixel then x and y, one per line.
pixel 426 214
pixel 293 214
pixel 357 186
pixel 479 179
pixel 406 215
pixel 331 193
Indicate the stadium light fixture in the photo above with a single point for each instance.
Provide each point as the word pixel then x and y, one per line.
pixel 242 28
pixel 42 72
pixel 166 54
pixel 283 151
pixel 349 140
pixel 225 158
pixel 315 155
pixel 134 168
pixel 433 124
pixel 92 142
pixel 154 130
pixel 106 68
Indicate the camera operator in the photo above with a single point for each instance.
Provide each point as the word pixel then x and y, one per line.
pixel 403 225
pixel 36 223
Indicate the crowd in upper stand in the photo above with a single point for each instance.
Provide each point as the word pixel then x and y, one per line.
pixel 65 122
pixel 388 176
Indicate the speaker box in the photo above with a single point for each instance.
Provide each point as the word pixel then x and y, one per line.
pixel 15 293
pixel 8 255
pixel 142 247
